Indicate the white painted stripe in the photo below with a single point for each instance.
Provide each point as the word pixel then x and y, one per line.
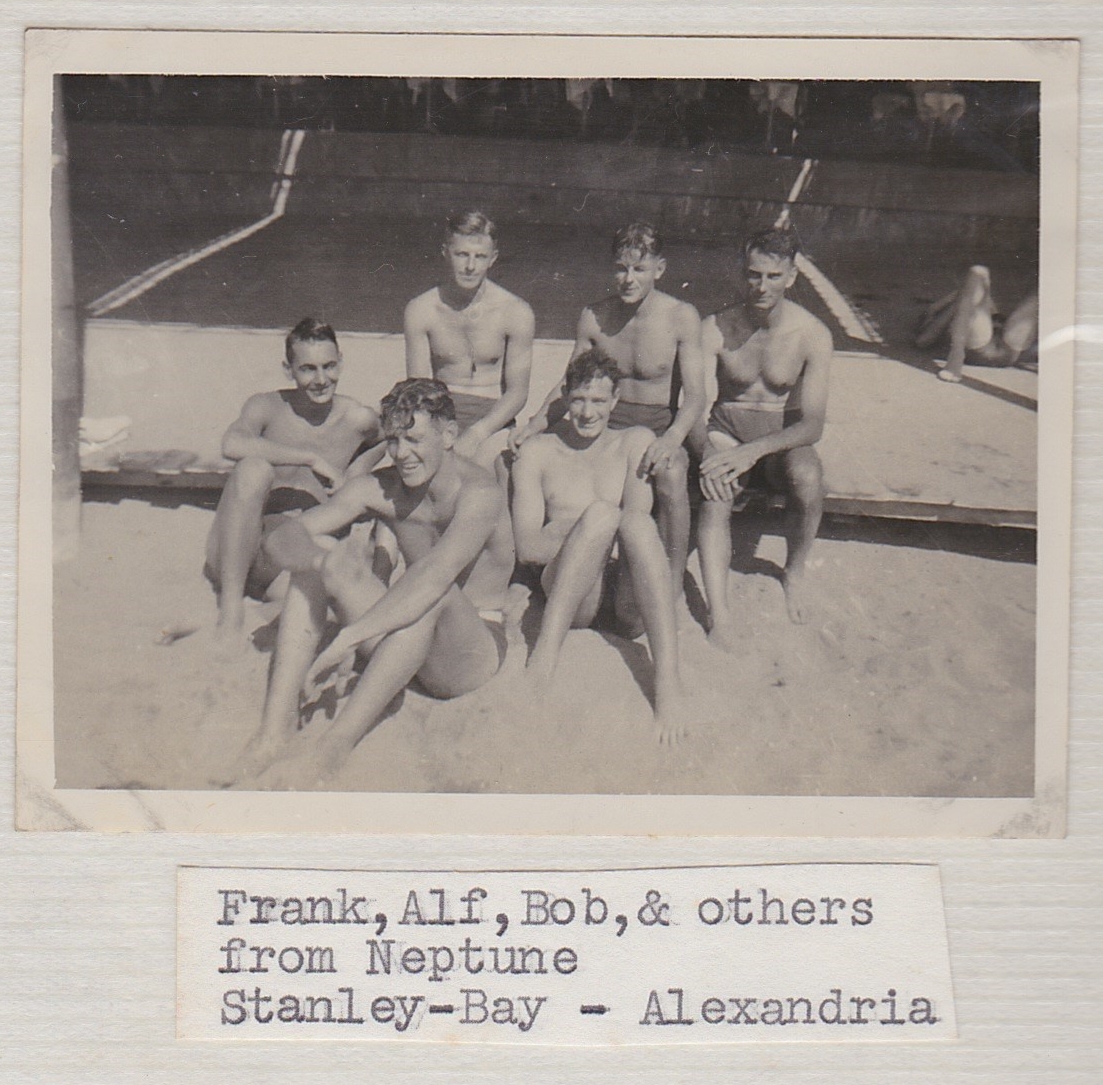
pixel 290 143
pixel 854 322
pixel 794 194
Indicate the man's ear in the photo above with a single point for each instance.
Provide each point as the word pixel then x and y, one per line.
pixel 792 276
pixel 660 267
pixel 493 259
pixel 287 369
pixel 450 432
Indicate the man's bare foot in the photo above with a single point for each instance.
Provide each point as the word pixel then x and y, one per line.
pixel 308 762
pixel 230 640
pixel 261 751
pixel 949 376
pixel 670 712
pixel 669 730
pixel 793 583
pixel 722 636
pixel 538 677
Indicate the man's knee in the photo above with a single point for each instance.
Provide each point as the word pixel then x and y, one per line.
pixel 670 481
pixel 636 525
pixel 804 474
pixel 716 511
pixel 252 478
pixel 345 565
pixel 601 517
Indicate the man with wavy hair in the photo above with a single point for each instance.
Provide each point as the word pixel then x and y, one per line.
pixel 577 494
pixel 440 621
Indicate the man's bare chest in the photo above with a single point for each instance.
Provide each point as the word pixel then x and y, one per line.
pixel 641 351
pixel 774 360
pixel 472 338
pixel 335 435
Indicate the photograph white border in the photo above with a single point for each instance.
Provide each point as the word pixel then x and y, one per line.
pixel 1051 62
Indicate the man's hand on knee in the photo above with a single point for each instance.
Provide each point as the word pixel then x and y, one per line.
pixel 664 454
pixel 719 488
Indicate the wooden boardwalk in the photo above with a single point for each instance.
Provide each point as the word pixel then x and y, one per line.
pixel 898 442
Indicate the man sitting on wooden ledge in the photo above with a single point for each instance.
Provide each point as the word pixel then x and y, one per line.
pixel 292 447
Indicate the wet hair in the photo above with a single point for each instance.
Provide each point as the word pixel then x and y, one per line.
pixel 309 330
pixel 639 237
pixel 590 365
pixel 774 242
pixel 418 395
pixel 472 223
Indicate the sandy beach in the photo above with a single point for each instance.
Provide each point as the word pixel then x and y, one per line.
pixel 914 677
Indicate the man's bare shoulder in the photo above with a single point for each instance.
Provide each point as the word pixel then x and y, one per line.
pixel 732 324
pixel 814 330
pixel 509 303
pixel 600 310
pixel 731 318
pixel 634 440
pixel 424 305
pixel 357 415
pixel 478 485
pixel 542 444
pixel 674 312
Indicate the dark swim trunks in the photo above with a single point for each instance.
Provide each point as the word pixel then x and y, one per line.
pixel 996 354
pixel 742 423
pixel 654 416
pixel 288 499
pixel 471 409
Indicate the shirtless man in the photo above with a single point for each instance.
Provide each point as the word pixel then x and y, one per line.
pixel 474 336
pixel 441 620
pixel 772 361
pixel 967 317
pixel 655 339
pixel 291 448
pixel 577 491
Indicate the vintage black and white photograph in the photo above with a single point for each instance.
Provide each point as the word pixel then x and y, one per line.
pixel 615 433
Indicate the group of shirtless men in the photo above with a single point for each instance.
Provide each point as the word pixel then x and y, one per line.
pixel 469 493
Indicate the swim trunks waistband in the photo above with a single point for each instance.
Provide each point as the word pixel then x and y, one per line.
pixel 480 391
pixel 654 416
pixel 759 404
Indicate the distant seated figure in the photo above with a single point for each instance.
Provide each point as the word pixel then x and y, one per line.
pixel 293 447
pixel 967 317
pixel 578 493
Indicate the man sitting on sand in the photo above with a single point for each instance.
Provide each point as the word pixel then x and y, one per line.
pixel 440 621
pixel 655 339
pixel 772 360
pixel 292 447
pixel 577 492
pixel 968 318
pixel 474 336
